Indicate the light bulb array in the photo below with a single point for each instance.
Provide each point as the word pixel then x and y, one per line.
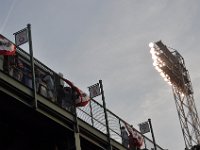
pixel 158 63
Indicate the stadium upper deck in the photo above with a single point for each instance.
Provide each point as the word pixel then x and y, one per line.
pixel 56 117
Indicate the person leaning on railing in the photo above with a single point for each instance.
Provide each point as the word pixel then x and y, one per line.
pixel 8 64
pixel 38 79
pixel 125 139
pixel 67 101
pixel 41 86
pixel 18 70
pixel 59 85
pixel 27 77
pixel 50 86
pixel 64 93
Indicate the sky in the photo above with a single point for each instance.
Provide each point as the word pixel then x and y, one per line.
pixel 92 40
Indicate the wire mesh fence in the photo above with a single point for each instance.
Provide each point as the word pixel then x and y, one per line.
pixel 94 115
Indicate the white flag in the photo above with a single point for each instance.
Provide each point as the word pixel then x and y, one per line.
pixel 144 127
pixel 94 90
pixel 21 37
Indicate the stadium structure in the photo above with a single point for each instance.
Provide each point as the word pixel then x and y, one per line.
pixel 35 119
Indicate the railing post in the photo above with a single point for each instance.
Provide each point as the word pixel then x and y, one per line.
pixel 154 142
pixel 106 116
pixel 91 114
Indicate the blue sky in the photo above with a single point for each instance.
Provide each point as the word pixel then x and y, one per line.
pixel 89 40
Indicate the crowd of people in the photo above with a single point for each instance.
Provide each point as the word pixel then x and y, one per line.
pixel 52 86
pixel 48 84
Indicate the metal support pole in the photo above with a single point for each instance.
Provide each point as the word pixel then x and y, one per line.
pixel 32 64
pixel 106 116
pixel 154 142
pixel 76 131
pixel 77 141
pixel 76 128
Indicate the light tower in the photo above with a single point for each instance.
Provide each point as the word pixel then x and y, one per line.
pixel 171 67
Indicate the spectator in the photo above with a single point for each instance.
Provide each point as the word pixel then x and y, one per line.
pixel 5 64
pixel 59 84
pixel 60 94
pixel 41 86
pixel 67 101
pixel 61 81
pixel 50 86
pixel 27 78
pixel 38 78
pixel 43 89
pixel 18 69
pixel 8 64
pixel 13 66
pixel 125 139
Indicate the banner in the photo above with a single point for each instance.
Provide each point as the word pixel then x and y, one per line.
pixel 21 37
pixel 6 46
pixel 144 127
pixel 135 138
pixel 82 98
pixel 94 90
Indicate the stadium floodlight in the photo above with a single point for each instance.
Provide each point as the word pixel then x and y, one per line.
pixel 158 62
pixel 171 67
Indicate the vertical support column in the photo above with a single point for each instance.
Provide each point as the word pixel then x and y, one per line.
pixel 32 64
pixel 154 142
pixel 76 129
pixel 77 141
